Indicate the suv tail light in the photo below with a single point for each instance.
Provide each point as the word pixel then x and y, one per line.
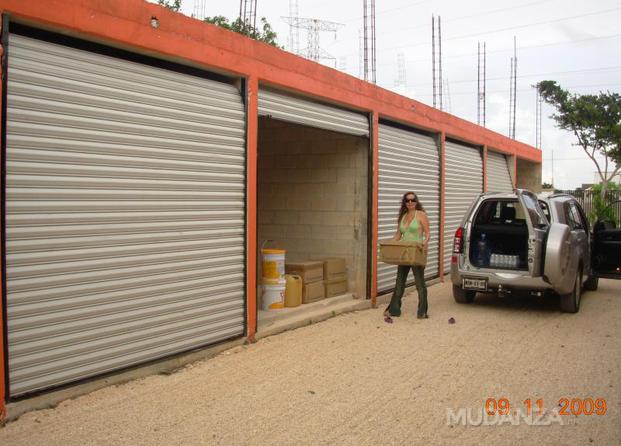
pixel 458 244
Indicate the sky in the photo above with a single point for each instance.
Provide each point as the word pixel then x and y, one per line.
pixel 576 43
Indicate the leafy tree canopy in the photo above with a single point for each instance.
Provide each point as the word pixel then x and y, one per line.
pixel 173 5
pixel 547 186
pixel 263 34
pixel 595 120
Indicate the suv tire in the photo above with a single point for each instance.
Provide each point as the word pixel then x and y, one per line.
pixel 591 283
pixel 462 296
pixel 570 303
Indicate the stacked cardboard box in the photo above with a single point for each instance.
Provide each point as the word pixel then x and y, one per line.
pixel 312 279
pixel 335 276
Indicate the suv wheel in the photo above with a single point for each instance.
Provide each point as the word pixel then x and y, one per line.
pixel 570 303
pixel 462 296
pixel 591 283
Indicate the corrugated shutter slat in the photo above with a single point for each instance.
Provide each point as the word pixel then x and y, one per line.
pixel 407 161
pixel 464 182
pixel 125 213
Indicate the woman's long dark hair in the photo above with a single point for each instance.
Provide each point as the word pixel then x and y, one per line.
pixel 404 207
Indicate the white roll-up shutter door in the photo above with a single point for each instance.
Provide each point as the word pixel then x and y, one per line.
pixel 464 182
pixel 124 213
pixel 498 175
pixel 408 161
pixel 285 107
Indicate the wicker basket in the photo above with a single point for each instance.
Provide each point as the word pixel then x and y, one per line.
pixel 403 253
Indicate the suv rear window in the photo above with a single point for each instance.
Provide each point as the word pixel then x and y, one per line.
pixel 500 211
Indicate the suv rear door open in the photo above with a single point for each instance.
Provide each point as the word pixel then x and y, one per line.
pixel 537 231
pixel 606 250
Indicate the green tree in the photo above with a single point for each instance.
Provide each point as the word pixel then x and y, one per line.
pixel 263 34
pixel 547 186
pixel 173 5
pixel 600 209
pixel 595 120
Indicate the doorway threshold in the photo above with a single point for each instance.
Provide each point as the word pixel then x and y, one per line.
pixel 276 321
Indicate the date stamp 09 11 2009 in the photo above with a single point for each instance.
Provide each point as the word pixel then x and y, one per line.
pixel 497 412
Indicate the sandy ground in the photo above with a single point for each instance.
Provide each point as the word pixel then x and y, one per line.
pixel 357 380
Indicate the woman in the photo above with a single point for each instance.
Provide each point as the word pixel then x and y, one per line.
pixel 412 226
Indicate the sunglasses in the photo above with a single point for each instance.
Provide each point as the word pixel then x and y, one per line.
pixel 410 200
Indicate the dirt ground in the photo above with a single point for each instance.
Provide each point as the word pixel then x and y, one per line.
pixel 357 380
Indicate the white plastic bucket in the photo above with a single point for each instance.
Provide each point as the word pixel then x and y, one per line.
pixel 273 266
pixel 273 297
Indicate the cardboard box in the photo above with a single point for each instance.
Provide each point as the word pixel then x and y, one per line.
pixel 336 287
pixel 334 268
pixel 313 292
pixel 402 253
pixel 308 271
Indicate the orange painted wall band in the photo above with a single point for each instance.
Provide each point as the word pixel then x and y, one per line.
pixel 251 205
pixel 375 204
pixel 3 390
pixel 442 202
pixel 484 168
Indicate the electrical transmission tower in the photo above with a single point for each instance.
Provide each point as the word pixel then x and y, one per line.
pixel 481 82
pixel 200 8
pixel 248 13
pixel 294 31
pixel 512 91
pixel 447 95
pixel 313 27
pixel 369 41
pixel 436 62
pixel 401 80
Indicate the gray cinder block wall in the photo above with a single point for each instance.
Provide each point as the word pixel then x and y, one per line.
pixel 312 194
pixel 529 176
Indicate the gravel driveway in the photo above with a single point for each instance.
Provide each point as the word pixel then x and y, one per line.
pixel 355 379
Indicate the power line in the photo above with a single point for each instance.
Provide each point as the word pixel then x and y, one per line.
pixel 522 90
pixel 565 42
pixel 585 70
pixel 509 28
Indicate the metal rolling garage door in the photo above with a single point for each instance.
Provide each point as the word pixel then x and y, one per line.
pixel 407 161
pixel 498 175
pixel 124 213
pixel 464 181
pixel 297 110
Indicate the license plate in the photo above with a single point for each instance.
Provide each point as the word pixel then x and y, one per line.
pixel 474 284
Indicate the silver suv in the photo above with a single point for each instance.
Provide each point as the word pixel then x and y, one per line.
pixel 510 242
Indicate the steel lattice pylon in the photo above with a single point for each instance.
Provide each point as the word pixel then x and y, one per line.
pixel 313 27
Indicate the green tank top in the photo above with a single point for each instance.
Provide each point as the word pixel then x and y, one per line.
pixel 412 233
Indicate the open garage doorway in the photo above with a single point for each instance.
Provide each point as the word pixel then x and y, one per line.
pixel 313 195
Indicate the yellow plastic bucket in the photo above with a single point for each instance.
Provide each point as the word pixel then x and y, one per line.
pixel 273 265
pixel 273 297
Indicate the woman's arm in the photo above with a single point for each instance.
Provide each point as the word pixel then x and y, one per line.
pixel 397 235
pixel 424 221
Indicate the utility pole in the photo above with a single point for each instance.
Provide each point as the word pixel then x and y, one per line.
pixel 370 56
pixel 313 27
pixel 373 40
pixel 436 73
pixel 481 81
pixel 366 41
pixel 440 59
pixel 538 119
pixel 199 9
pixel 248 13
pixel 513 91
pixel 433 57
pixel 361 72
pixel 514 82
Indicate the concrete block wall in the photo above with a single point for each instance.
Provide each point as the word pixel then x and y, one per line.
pixel 313 194
pixel 529 176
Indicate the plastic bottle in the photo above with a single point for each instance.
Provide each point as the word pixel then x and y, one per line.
pixel 482 258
